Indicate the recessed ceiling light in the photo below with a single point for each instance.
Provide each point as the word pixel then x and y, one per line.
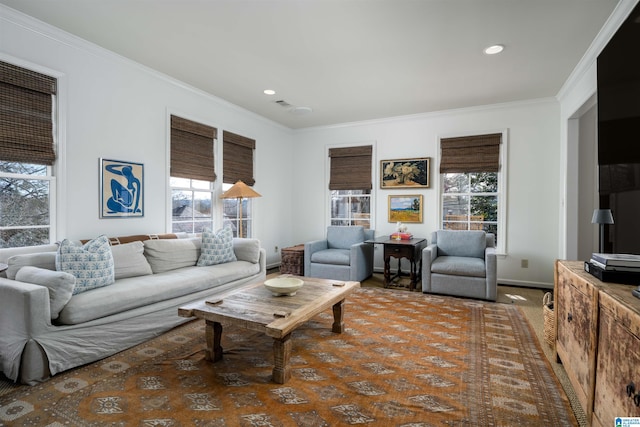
pixel 269 92
pixel 492 50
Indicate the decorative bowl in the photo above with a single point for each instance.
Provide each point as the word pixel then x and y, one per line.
pixel 283 285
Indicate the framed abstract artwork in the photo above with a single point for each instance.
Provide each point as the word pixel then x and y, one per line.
pixel 405 173
pixel 121 189
pixel 405 208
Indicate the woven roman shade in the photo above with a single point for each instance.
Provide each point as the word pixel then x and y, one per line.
pixel 26 108
pixel 192 149
pixel 237 159
pixel 478 153
pixel 350 168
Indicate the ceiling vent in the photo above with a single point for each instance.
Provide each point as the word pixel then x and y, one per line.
pixel 283 103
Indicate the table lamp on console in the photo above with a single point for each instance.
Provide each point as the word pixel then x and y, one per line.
pixel 602 217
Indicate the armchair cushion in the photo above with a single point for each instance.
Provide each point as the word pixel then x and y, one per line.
pixel 471 243
pixel 332 256
pixel 459 266
pixel 344 237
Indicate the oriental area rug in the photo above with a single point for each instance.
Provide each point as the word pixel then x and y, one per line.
pixel 405 359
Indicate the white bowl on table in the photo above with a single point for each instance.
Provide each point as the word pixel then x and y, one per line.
pixel 283 285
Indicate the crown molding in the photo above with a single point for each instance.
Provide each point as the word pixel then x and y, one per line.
pixel 615 20
pixel 58 35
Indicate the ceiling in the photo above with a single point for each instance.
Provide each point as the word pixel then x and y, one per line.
pixel 347 60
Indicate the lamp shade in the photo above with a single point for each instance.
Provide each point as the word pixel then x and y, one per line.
pixel 602 216
pixel 240 190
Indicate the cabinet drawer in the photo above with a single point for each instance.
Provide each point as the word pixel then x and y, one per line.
pixel 618 367
pixel 576 342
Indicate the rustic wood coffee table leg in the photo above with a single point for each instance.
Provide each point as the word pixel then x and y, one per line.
pixel 213 333
pixel 281 356
pixel 338 317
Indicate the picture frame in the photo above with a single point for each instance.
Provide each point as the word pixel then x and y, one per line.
pixel 121 189
pixel 405 173
pixel 406 208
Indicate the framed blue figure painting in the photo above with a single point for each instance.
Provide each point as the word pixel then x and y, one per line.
pixel 121 189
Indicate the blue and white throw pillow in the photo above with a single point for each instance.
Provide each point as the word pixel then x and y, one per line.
pixel 217 248
pixel 91 263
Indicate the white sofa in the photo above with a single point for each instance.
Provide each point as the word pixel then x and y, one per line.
pixel 153 278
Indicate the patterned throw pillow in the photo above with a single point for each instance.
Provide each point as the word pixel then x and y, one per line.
pixel 217 248
pixel 91 264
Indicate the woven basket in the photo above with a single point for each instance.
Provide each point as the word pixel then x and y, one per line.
pixel 549 319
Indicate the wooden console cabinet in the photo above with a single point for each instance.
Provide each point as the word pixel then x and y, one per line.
pixel 598 342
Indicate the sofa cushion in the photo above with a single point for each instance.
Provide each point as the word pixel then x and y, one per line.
pixel 60 285
pixel 459 266
pixel 132 292
pixel 344 237
pixel 467 243
pixel 171 254
pixel 45 260
pixel 332 256
pixel 247 249
pixel 129 260
pixel 217 248
pixel 91 263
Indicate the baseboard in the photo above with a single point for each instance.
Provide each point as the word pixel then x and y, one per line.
pixel 525 284
pixel 274 265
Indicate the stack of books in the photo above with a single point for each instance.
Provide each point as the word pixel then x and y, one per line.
pixel 616 268
pixel 401 236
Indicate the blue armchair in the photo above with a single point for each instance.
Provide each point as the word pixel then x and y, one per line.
pixel 460 263
pixel 343 255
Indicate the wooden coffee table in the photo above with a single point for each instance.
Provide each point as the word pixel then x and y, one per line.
pixel 255 308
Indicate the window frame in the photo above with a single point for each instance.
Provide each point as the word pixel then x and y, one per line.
pixel 214 186
pixel 191 188
pixel 56 173
pixel 501 243
pixel 372 194
pixel 351 219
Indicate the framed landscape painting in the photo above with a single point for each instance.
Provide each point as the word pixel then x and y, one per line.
pixel 121 189
pixel 405 173
pixel 405 208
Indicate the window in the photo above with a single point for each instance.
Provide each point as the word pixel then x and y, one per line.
pixel 191 205
pixel 350 185
pixel 27 185
pixel 471 183
pixel 351 207
pixel 470 201
pixel 192 175
pixel 237 165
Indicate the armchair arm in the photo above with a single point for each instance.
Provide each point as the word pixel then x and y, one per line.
pixel 361 261
pixel 429 254
pixel 24 314
pixel 309 249
pixel 491 264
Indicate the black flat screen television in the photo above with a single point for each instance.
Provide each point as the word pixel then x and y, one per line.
pixel 619 135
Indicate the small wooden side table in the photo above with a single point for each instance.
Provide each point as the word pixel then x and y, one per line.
pixel 292 260
pixel 410 249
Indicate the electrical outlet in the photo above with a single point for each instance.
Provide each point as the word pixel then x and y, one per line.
pixel 524 263
pixel 275 249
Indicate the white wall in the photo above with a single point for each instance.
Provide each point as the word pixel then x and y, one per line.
pixel 113 108
pixel 533 172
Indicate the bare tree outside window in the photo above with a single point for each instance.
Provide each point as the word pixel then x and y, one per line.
pixel 25 206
